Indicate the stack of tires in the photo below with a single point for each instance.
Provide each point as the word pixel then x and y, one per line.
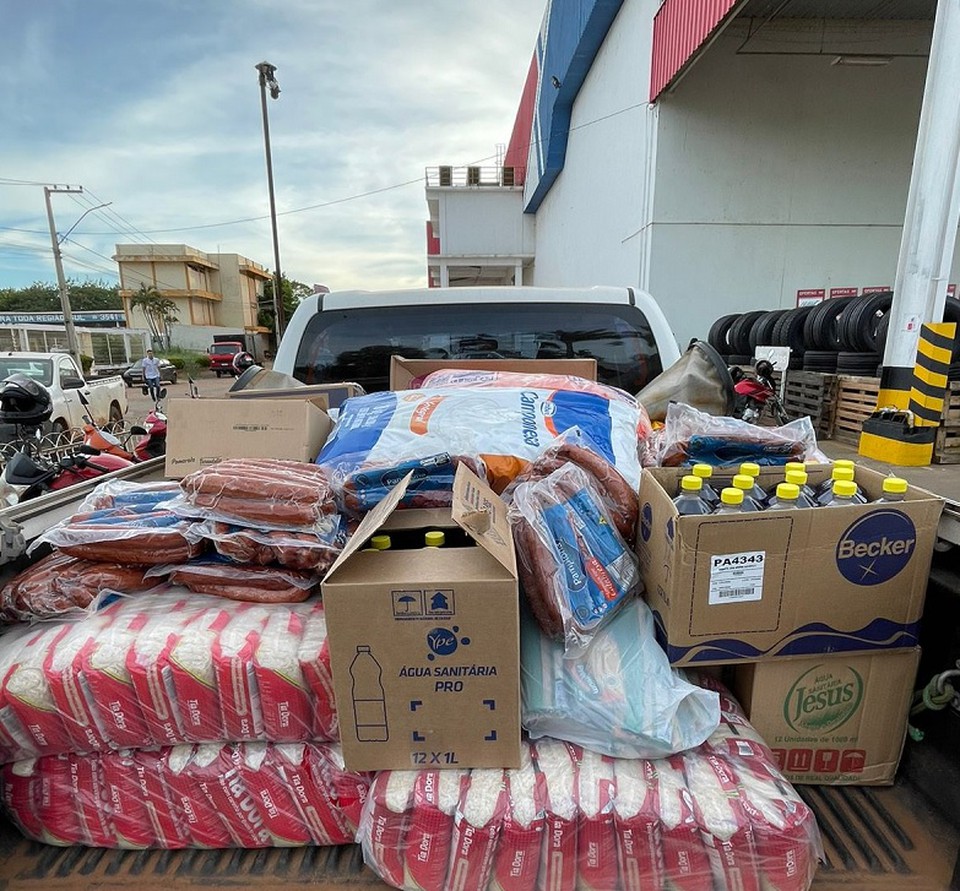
pixel 846 335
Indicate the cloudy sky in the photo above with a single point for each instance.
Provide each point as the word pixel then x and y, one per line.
pixel 154 106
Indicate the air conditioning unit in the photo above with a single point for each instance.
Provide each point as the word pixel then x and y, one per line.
pixel 473 176
pixel 446 175
pixel 507 177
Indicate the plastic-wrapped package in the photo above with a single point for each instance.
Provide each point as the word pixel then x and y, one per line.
pixel 284 696
pixel 517 862
pixel 620 499
pixel 637 824
pixel 619 697
pixel 384 824
pixel 303 551
pixel 557 763
pixel 685 861
pixel 184 796
pixel 694 437
pixel 233 654
pixel 60 585
pixel 381 437
pixel 575 569
pixel 132 496
pixel 313 655
pixel 596 838
pixel 220 577
pixel 16 741
pixel 267 493
pixel 436 795
pixel 476 829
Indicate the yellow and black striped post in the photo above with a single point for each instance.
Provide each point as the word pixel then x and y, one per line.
pixel 908 439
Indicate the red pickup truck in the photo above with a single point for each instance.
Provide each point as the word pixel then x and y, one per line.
pixel 222 355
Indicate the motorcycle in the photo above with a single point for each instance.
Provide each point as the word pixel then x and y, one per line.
pixel 153 433
pixel 756 394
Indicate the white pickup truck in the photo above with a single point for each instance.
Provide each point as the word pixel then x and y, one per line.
pixel 58 372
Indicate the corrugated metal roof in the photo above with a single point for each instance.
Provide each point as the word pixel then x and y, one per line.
pixel 841 9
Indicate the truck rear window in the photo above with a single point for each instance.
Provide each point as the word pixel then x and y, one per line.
pixel 356 344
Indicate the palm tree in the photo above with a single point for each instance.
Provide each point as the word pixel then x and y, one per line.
pixel 159 311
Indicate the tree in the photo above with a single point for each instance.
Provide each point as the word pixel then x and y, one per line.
pixel 293 292
pixel 160 313
pixel 45 297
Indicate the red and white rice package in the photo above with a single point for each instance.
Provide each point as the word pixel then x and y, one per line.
pixel 719 816
pixel 165 669
pixel 207 796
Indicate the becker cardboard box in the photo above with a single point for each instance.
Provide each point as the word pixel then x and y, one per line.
pixel 201 432
pixel 404 371
pixel 425 642
pixel 743 587
pixel 839 720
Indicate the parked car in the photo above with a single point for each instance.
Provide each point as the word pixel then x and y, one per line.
pixel 133 375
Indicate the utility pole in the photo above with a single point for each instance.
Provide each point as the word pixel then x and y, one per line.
pixel 268 79
pixel 72 344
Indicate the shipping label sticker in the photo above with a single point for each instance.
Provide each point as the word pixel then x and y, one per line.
pixel 736 578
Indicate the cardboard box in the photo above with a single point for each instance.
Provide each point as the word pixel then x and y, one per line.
pixel 403 371
pixel 201 432
pixel 839 720
pixel 325 395
pixel 743 587
pixel 425 642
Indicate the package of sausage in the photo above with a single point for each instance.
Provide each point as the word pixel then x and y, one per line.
pixel 303 551
pixel 220 577
pixel 575 568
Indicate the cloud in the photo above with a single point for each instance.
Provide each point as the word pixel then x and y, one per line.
pixel 168 126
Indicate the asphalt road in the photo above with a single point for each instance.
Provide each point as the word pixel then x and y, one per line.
pixel 207 385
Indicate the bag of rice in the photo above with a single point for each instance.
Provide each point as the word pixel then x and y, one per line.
pixel 284 698
pixel 108 680
pixel 202 824
pixel 165 820
pixel 347 789
pixel 685 862
pixel 56 809
pixel 314 658
pixel 16 742
pixel 517 861
pixel 435 797
pixel 90 796
pixel 215 769
pixel 21 784
pixel 476 829
pixel 299 765
pixel 128 808
pixel 63 669
pixel 27 695
pixel 193 676
pixel 233 654
pixel 636 815
pixel 596 838
pixel 724 827
pixel 557 762
pixel 384 824
pixel 263 776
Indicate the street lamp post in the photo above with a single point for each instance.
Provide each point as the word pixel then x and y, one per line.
pixel 268 79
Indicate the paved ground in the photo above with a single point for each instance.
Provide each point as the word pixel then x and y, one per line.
pixel 207 385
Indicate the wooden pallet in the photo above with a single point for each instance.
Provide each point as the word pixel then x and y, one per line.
pixel 947 448
pixel 812 394
pixel 856 401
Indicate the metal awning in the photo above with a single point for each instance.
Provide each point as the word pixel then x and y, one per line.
pixel 863 10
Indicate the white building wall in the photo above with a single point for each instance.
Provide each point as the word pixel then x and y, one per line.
pixel 484 221
pixel 590 223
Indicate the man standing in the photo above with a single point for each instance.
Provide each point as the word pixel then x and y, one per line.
pixel 151 375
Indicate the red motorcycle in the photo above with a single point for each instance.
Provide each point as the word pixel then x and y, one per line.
pixel 756 394
pixel 153 436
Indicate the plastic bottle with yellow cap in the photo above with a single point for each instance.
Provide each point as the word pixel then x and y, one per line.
pixel 844 494
pixel 744 483
pixel 799 479
pixel 731 501
pixel 707 492
pixel 840 472
pixel 894 490
pixel 434 539
pixel 787 497
pixel 689 502
pixel 379 543
pixel 752 469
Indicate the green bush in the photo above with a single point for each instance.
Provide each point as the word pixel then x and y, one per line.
pixel 202 361
pixel 86 363
pixel 178 362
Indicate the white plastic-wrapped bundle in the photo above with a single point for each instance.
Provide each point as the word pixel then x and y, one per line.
pixel 476 829
pixel 436 794
pixel 314 658
pixel 517 863
pixel 284 697
pixel 151 675
pixel 194 680
pixel 637 825
pixel 383 827
pixel 557 763
pixel 233 655
pixel 596 839
pixel 16 742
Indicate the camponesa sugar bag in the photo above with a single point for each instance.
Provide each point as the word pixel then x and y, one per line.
pixel 596 839
pixel 637 823
pixel 381 437
pixel 284 698
pixel 557 762
pixel 517 861
pixel 435 797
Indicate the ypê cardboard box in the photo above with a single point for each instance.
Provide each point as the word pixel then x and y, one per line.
pixel 743 587
pixel 404 371
pixel 839 720
pixel 201 432
pixel 425 642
